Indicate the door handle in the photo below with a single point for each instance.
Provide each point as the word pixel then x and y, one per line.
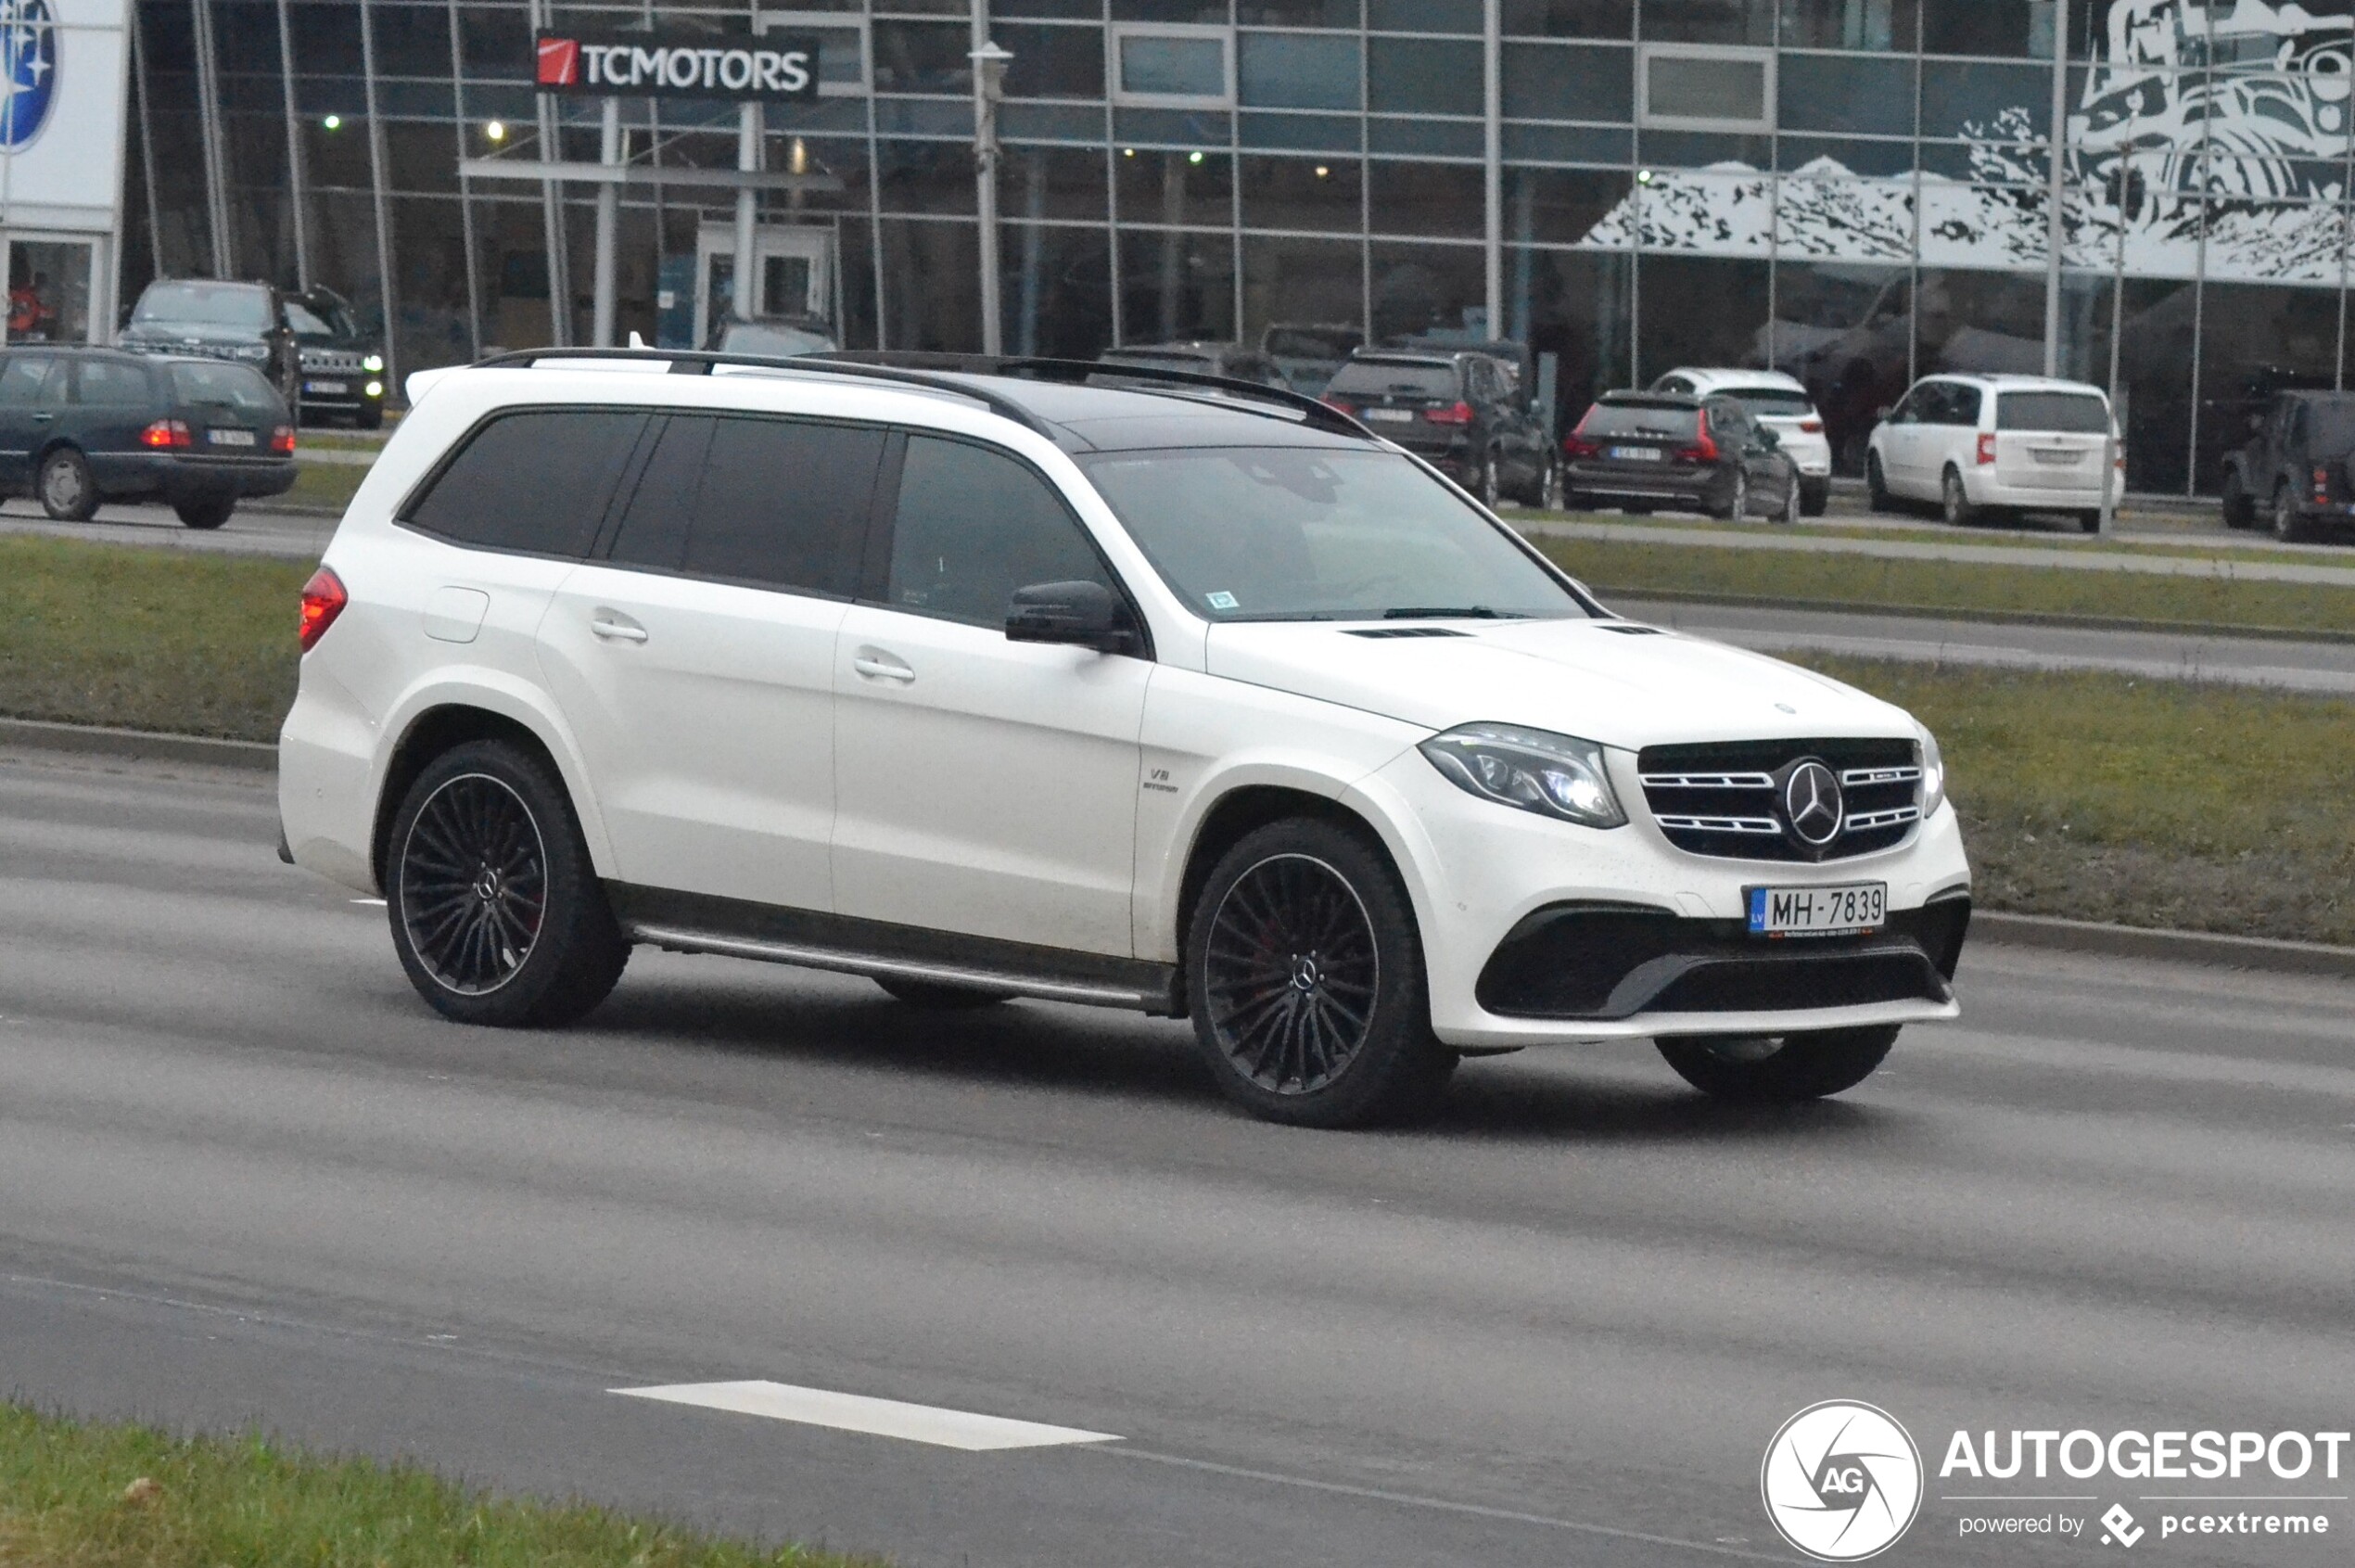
pixel 877 665
pixel 615 627
pixel 43 418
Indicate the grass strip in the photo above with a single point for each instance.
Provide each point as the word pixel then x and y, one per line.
pixel 83 1495
pixel 1868 582
pixel 147 639
pixel 2191 543
pixel 2162 804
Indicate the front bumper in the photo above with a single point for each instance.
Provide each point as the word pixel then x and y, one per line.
pixel 1492 885
pixel 174 478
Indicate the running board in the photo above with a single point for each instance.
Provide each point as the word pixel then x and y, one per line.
pixel 688 924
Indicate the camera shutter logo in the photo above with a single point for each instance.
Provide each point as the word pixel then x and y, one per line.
pixel 1843 1482
pixel 28 69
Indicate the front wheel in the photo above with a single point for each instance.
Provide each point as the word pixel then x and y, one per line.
pixel 1780 1069
pixel 497 914
pixel 209 512
pixel 1876 495
pixel 1305 978
pixel 68 492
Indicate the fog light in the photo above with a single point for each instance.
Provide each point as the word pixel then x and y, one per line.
pixel 375 389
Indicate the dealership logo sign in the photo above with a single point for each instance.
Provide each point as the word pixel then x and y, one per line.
pixel 28 69
pixel 675 64
pixel 1843 1482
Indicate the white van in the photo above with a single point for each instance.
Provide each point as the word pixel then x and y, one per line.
pixel 1975 444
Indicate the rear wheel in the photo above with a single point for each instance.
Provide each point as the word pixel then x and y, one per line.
pixel 1546 493
pixel 1489 494
pixel 1792 507
pixel 1780 1069
pixel 2288 526
pixel 1955 502
pixel 940 996
pixel 207 512
pixel 1736 506
pixel 496 911
pixel 1876 495
pixel 2089 522
pixel 68 492
pixel 2240 507
pixel 1815 497
pixel 1305 978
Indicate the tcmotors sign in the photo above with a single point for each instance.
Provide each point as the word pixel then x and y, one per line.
pixel 678 65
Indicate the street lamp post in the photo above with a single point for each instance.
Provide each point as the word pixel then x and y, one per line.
pixel 989 63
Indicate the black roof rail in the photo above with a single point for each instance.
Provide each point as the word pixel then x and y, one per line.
pixel 1078 372
pixel 700 362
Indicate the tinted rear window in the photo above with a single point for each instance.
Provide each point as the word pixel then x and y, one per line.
pixel 536 480
pixel 1772 403
pixel 232 385
pixel 111 381
pixel 1375 378
pixel 2074 414
pixel 784 503
pixel 1638 419
pixel 2330 428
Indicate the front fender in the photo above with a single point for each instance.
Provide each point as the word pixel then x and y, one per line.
pixel 493 692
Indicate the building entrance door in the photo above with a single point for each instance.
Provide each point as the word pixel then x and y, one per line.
pixel 794 274
pixel 50 285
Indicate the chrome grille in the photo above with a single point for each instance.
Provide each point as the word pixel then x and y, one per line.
pixel 1719 799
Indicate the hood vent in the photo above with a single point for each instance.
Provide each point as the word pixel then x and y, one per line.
pixel 1630 629
pixel 1389 633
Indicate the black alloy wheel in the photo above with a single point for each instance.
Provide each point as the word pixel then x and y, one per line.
pixel 496 912
pixel 1305 982
pixel 1780 1069
pixel 68 493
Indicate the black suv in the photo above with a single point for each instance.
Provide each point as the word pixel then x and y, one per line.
pixel 343 367
pixel 1638 451
pixel 245 322
pixel 2298 472
pixel 1465 411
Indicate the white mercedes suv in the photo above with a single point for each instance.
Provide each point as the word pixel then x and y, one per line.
pixel 995 680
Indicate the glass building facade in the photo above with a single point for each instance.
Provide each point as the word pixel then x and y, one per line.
pixel 1856 191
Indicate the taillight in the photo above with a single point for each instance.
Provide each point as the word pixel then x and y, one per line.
pixel 1704 449
pixel 1578 448
pixel 282 440
pixel 1459 414
pixel 2321 484
pixel 322 600
pixel 1350 409
pixel 1812 427
pixel 1986 450
pixel 166 433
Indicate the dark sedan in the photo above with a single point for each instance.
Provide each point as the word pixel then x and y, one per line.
pixel 1642 451
pixel 79 427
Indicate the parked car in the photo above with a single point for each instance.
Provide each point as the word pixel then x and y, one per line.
pixel 774 336
pixel 1309 353
pixel 343 367
pixel 2297 474
pixel 1780 403
pixel 987 685
pixel 245 322
pixel 79 427
pixel 1466 412
pixel 1978 445
pixel 1647 451
pixel 1234 361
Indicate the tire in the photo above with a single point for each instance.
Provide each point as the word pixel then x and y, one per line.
pixel 1546 496
pixel 940 996
pixel 2240 507
pixel 496 911
pixel 1815 499
pixel 1737 507
pixel 1877 496
pixel 67 491
pixel 1574 502
pixel 2288 527
pixel 1766 1070
pixel 371 418
pixel 1954 501
pixel 209 512
pixel 2089 522
pixel 1304 979
pixel 1793 509
pixel 1488 492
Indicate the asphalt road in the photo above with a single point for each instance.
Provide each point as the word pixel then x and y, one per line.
pixel 245 1177
pixel 250 531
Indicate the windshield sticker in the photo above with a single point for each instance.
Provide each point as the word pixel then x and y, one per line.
pixel 1222 601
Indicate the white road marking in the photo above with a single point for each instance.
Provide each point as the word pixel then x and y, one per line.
pixel 881 1418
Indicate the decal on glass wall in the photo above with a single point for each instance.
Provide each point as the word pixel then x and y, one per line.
pixel 2243 105
pixel 28 69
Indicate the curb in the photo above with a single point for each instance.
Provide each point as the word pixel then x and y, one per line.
pixel 144 746
pixel 1977 617
pixel 2055 935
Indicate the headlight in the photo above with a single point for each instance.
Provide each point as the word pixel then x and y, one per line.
pixel 372 363
pixel 1552 775
pixel 251 351
pixel 1933 772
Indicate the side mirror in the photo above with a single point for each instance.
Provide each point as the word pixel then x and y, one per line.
pixel 1768 439
pixel 1883 411
pixel 1083 615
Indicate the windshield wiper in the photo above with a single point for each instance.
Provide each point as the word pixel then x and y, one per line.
pixel 1455 612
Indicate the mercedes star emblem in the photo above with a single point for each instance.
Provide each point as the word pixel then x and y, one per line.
pixel 1812 806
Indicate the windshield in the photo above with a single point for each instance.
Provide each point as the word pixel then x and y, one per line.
pixel 318 324
pixel 2076 414
pixel 205 304
pixel 1414 379
pixel 225 385
pixel 1283 533
pixel 1669 422
pixel 1772 403
pixel 2330 428
pixel 769 337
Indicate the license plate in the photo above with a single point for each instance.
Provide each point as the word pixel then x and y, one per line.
pixel 1635 454
pixel 2059 459
pixel 1818 911
pixel 327 389
pixel 229 437
pixel 1391 415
